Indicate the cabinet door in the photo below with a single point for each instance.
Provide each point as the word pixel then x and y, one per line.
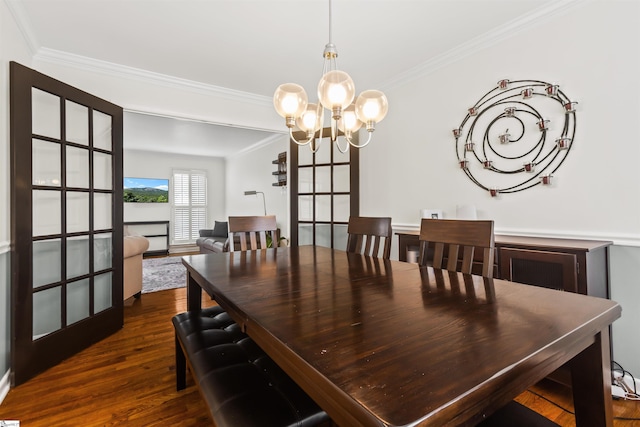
pixel 553 270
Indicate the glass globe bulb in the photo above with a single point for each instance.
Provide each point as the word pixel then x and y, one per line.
pixel 290 100
pixel 336 90
pixel 349 121
pixel 371 106
pixel 309 119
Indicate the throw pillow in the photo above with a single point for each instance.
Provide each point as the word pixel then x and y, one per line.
pixel 221 229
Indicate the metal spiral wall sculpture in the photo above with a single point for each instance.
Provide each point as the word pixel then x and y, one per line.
pixel 522 130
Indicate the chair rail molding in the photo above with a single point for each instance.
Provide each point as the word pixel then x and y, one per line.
pixel 632 240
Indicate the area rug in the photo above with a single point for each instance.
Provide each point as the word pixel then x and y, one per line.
pixel 159 274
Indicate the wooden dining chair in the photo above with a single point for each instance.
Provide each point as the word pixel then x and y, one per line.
pixel 250 232
pixel 448 236
pixel 367 235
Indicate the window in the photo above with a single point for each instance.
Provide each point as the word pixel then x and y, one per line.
pixel 189 208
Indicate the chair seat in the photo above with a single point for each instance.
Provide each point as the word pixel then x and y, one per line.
pixel 514 414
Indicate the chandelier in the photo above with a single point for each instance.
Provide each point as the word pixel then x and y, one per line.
pixel 336 93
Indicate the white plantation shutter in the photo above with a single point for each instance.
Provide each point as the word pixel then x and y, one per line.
pixel 189 205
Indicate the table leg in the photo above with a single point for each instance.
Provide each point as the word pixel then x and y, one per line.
pixel 591 383
pixel 194 294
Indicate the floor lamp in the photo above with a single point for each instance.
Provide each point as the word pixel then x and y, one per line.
pixel 253 193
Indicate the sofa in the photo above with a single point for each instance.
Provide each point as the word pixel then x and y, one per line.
pixel 214 240
pixel 134 247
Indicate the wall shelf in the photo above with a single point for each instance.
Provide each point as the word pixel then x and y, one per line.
pixel 281 173
pixel 157 232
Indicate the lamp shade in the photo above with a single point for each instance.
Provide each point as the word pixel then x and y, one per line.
pixel 336 90
pixel 290 100
pixel 309 120
pixel 371 106
pixel 349 121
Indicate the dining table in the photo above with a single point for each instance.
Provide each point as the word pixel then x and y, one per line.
pixel 388 343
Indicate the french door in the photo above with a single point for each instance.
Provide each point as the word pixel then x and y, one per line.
pixel 325 191
pixel 66 221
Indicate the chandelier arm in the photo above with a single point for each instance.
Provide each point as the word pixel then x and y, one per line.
pixel 296 141
pixel 353 144
pixel 346 145
pixel 316 143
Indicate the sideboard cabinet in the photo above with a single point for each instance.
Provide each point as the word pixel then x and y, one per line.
pixel 573 265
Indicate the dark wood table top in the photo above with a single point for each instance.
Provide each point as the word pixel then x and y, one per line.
pixel 389 343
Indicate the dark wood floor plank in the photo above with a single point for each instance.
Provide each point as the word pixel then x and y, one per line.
pixel 129 379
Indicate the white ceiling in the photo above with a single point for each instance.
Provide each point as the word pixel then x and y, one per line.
pixel 254 45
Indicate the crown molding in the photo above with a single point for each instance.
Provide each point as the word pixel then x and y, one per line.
pixel 17 10
pixel 111 69
pixel 258 145
pixel 484 41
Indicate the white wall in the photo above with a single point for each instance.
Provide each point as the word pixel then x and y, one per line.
pixel 591 51
pixel 146 164
pixel 12 48
pixel 253 171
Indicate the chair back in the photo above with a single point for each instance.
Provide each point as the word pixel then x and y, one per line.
pixel 251 232
pixel 367 235
pixel 449 235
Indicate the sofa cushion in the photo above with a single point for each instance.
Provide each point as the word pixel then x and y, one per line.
pixel 221 229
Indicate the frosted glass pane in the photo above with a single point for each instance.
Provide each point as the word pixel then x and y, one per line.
pixel 102 251
pixel 305 234
pixel 340 237
pixel 77 256
pixel 323 235
pixel 77 167
pixel 323 155
pixel 47 309
pixel 305 180
pixel 45 113
pixel 47 262
pixel 305 157
pixel 77 301
pixel 45 166
pixel 77 212
pixel 102 211
pixel 77 123
pixel 323 208
pixel 46 212
pixel 339 157
pixel 101 130
pixel 305 208
pixel 102 171
pixel 101 292
pixel 341 180
pixel 323 179
pixel 341 208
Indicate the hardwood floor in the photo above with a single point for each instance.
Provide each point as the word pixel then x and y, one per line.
pixel 129 379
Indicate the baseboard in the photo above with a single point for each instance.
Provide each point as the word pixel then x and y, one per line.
pixel 5 385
